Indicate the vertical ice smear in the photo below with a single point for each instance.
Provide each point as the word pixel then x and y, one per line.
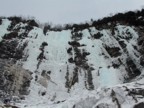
pixel 109 77
pixel 56 61
pixel 3 28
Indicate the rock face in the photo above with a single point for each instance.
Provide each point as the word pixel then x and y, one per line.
pixel 14 80
pixel 140 105
pixel 70 61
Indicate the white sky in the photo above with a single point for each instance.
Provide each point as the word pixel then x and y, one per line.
pixel 66 11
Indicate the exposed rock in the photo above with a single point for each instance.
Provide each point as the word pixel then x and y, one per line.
pixel 71 60
pixel 105 105
pixel 9 106
pixel 122 44
pixel 0 21
pixel 142 60
pixel 46 28
pixel 141 40
pixel 11 35
pixel 44 44
pixel 113 52
pixel 45 75
pixel 10 49
pixel 67 84
pixel 98 35
pixel 69 51
pixel 43 81
pixel 132 68
pixel 32 23
pixel 139 105
pixel 75 77
pixel 90 79
pixel 74 43
pixel 76 36
pixel 14 79
pixel 41 55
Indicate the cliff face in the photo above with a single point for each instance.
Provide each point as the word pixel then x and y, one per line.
pixel 74 63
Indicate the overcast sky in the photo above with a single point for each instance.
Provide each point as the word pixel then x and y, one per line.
pixel 67 11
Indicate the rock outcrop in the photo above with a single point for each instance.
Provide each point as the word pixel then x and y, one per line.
pixel 14 80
